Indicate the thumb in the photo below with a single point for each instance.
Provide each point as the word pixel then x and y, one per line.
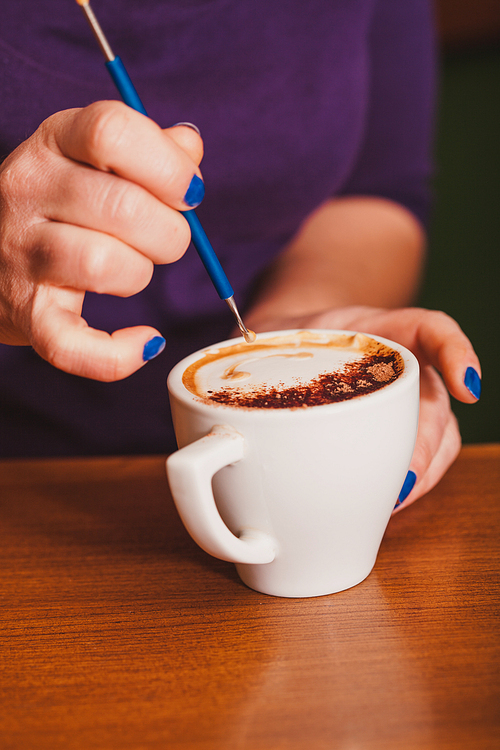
pixel 64 339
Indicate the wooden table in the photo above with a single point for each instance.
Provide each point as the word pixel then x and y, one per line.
pixel 118 632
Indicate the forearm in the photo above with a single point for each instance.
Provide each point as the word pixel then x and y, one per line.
pixel 351 251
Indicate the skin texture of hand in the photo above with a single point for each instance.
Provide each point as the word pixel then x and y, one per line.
pixel 90 203
pixel 444 354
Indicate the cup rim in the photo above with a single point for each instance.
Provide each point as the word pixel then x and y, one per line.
pixel 177 389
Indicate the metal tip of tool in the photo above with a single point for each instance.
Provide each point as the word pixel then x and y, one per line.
pixel 96 28
pixel 248 335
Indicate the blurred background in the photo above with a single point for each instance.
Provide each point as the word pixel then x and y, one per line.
pixel 463 271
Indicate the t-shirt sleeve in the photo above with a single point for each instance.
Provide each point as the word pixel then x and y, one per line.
pixel 395 158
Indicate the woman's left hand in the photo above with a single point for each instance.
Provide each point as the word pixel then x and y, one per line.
pixel 448 365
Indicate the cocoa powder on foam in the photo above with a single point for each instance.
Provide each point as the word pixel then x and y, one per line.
pixel 377 366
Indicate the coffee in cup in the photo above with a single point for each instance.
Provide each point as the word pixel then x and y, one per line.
pixel 292 371
pixel 292 453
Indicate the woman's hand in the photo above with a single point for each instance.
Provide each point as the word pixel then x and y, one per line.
pixel 448 365
pixel 90 203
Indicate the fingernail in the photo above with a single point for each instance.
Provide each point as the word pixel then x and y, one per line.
pixel 195 192
pixel 153 347
pixel 407 487
pixel 472 382
pixel 187 125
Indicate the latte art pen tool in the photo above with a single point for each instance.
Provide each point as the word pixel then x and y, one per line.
pixel 127 90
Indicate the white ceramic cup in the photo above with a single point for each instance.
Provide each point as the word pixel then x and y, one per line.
pixel 298 498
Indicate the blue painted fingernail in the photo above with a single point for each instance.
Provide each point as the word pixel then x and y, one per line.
pixel 195 192
pixel 407 487
pixel 153 347
pixel 472 382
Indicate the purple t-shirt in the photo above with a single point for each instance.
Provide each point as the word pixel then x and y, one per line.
pixel 296 102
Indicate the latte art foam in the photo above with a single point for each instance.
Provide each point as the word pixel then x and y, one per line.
pixel 293 371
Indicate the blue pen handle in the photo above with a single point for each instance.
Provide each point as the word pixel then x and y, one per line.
pixel 124 85
pixel 208 256
pixel 200 240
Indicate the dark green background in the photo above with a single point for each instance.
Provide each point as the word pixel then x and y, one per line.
pixel 463 271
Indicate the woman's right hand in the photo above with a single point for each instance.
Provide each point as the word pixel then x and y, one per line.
pixel 90 202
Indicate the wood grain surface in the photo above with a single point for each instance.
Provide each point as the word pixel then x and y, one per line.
pixel 118 632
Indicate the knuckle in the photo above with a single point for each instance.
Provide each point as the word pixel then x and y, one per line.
pixel 443 319
pixel 121 202
pixel 10 182
pixel 26 177
pixel 93 266
pixel 107 123
pixel 415 316
pixel 47 126
pixel 442 315
pixel 14 178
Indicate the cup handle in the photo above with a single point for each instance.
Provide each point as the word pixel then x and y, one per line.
pixel 190 471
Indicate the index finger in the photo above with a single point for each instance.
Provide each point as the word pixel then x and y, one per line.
pixel 437 339
pixel 112 137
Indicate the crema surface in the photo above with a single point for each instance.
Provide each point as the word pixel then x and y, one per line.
pixel 297 370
